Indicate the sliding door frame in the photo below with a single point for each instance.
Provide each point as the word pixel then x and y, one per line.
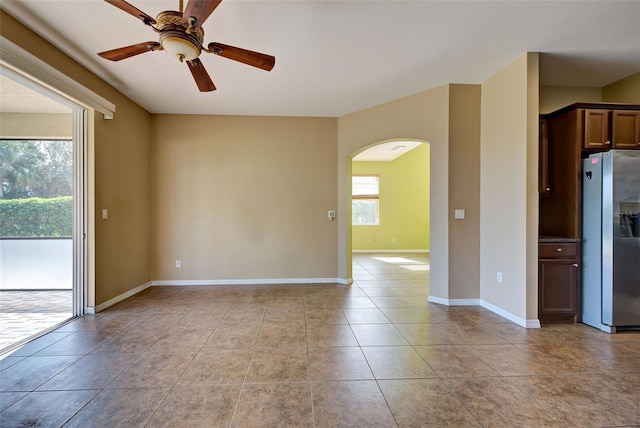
pixel 37 74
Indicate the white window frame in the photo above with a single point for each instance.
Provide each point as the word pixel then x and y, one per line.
pixel 366 197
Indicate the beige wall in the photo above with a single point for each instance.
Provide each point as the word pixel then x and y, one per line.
pixel 239 198
pixel 508 158
pixel 626 90
pixel 532 198
pixel 122 153
pixel 464 191
pixel 121 172
pixel 36 125
pixel 553 98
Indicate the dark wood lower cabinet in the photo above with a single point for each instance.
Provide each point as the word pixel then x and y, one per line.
pixel 558 280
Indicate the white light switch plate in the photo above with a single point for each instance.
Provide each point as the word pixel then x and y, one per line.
pixel 458 214
pixel 105 214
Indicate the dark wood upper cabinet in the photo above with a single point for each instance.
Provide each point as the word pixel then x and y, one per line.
pixel 626 129
pixel 544 184
pixel 558 205
pixel 567 136
pixel 597 134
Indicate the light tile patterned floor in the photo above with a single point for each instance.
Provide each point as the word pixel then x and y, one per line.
pixel 374 354
pixel 25 313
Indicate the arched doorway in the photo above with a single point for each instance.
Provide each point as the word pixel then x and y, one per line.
pixel 390 213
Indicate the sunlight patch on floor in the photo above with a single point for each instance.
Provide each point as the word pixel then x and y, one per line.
pixel 422 267
pixel 403 262
pixel 396 260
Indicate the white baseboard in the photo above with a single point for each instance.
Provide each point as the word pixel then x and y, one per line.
pixel 532 323
pixel 464 302
pixel 454 302
pixel 535 323
pixel 268 281
pixel 392 251
pixel 117 299
pixel 438 300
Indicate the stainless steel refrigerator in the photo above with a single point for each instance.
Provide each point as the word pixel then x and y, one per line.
pixel 611 240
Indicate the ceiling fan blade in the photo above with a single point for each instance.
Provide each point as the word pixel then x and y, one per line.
pixel 255 59
pixel 129 51
pixel 200 10
pixel 201 76
pixel 132 10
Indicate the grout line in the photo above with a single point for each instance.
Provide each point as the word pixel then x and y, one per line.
pixel 246 372
pixel 306 336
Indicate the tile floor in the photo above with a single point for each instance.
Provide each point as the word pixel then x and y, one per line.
pixel 374 354
pixel 25 313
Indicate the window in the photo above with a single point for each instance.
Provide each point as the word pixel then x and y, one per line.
pixel 365 196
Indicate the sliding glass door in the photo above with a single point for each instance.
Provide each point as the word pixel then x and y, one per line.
pixel 42 140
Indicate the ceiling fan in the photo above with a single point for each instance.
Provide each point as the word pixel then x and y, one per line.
pixel 182 36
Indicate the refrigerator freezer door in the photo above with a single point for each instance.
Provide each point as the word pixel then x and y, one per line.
pixel 621 246
pixel 592 242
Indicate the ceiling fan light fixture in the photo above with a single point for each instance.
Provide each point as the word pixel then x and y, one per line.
pixel 174 38
pixel 179 46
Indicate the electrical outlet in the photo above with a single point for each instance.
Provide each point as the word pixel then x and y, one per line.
pixel 499 277
pixel 178 264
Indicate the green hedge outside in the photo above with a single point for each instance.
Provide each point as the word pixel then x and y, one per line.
pixel 29 217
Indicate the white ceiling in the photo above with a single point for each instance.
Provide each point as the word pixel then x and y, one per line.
pixel 337 57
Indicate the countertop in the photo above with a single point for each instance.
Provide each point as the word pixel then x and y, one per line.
pixel 556 239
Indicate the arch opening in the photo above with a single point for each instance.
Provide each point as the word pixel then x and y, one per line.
pixel 401 233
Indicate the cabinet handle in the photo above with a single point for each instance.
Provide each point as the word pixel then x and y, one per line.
pixel 559 250
pixel 548 189
pixel 575 265
pixel 606 143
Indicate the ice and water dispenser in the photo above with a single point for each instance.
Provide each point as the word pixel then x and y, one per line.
pixel 629 220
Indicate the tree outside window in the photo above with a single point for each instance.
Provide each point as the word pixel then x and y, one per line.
pixel 36 168
pixel 36 188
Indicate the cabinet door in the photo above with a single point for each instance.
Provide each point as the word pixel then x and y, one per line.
pixel 626 129
pixel 557 283
pixel 544 185
pixel 596 129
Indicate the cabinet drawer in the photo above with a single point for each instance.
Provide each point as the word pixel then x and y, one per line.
pixel 547 251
